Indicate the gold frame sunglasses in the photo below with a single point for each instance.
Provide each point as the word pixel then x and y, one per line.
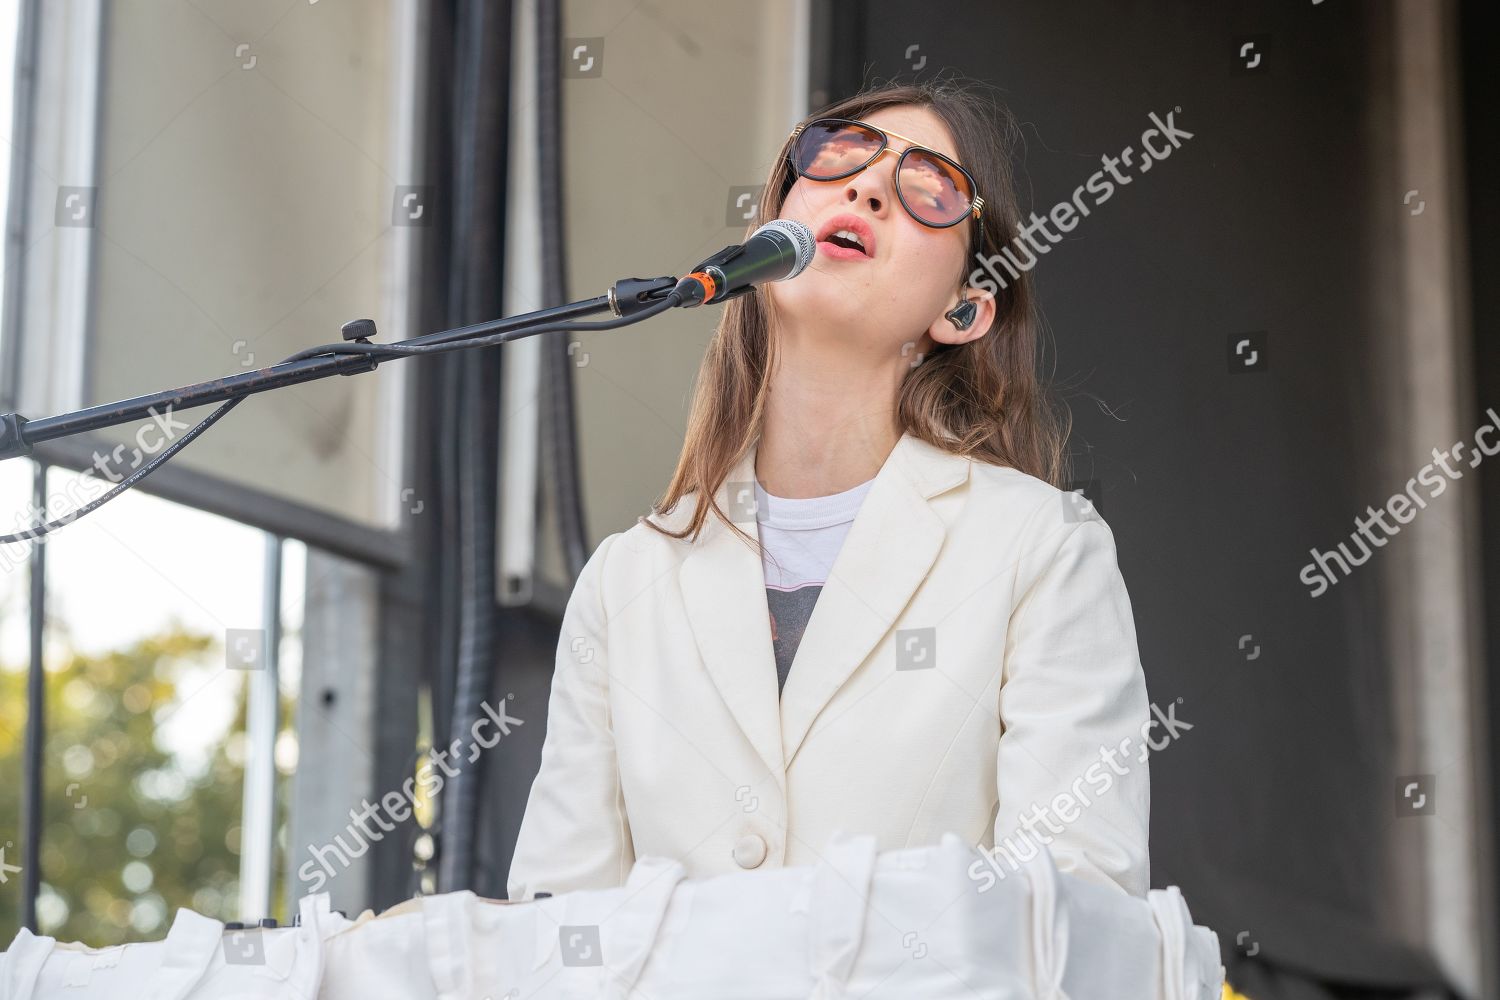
pixel 803 151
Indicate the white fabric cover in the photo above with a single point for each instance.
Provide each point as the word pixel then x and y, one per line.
pixel 913 923
pixel 380 956
pixel 460 946
pixel 197 959
pixel 626 920
pixel 1190 954
pixel 861 923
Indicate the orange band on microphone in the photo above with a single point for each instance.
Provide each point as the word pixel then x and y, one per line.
pixel 710 287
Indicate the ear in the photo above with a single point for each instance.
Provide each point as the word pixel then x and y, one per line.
pixel 943 331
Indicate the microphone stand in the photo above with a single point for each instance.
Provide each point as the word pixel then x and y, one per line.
pixel 630 299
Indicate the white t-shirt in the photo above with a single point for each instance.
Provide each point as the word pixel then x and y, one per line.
pixel 800 539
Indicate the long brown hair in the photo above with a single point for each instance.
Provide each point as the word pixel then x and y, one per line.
pixel 983 399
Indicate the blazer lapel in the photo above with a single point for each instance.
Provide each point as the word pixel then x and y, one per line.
pixel 723 591
pixel 893 542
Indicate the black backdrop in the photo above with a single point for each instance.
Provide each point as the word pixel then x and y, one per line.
pixel 1274 813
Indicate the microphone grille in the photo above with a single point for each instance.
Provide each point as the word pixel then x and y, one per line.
pixel 802 239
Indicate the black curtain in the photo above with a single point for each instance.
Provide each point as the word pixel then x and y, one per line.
pixel 463 390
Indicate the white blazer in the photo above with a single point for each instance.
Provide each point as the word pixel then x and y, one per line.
pixel 971 660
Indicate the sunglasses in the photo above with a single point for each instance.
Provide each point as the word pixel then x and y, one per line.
pixel 933 189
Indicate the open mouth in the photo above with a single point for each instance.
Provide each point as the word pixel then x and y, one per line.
pixel 847 237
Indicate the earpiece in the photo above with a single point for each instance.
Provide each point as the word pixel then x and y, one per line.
pixel 962 314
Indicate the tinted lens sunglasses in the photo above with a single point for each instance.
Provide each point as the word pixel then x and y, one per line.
pixel 933 189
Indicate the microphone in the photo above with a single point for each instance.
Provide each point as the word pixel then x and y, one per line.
pixel 778 250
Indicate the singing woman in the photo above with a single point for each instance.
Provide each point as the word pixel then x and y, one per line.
pixel 865 602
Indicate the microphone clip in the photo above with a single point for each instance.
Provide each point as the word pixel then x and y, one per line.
pixel 629 296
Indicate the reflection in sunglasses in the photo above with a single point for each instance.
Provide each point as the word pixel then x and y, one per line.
pixel 836 156
pixel 922 177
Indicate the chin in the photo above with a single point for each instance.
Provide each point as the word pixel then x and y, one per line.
pixel 814 295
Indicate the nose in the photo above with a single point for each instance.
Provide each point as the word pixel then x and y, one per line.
pixel 872 186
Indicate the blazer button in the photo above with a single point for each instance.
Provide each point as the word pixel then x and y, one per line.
pixel 749 851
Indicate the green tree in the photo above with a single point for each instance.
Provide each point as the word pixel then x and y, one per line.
pixel 128 835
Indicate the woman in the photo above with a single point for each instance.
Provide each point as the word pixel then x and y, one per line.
pixel 969 663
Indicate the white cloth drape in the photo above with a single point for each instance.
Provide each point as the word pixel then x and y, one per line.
pixel 913 922
pixel 197 960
